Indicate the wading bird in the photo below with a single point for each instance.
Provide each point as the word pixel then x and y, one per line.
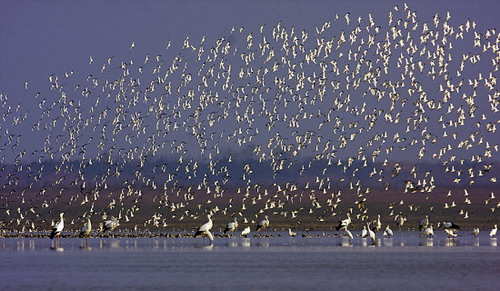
pixel 231 226
pixel 58 228
pixel 493 232
pixel 86 229
pixel 245 232
pixel 204 230
pixel 263 224
pixel 344 223
pixel 388 232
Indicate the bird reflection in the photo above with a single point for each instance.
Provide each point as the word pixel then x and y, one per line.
pixel 346 242
pixel 232 244
pixel 388 242
pixel 264 244
pixel 450 242
pixel 20 245
pixel 493 242
pixel 245 242
pixel 208 246
pixel 429 242
pixel 114 244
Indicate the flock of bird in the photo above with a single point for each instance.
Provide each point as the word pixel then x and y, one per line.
pixel 368 231
pixel 279 121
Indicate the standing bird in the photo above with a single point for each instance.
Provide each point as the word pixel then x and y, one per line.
pixel 428 232
pixel 292 233
pixel 388 232
pixel 424 223
pixel 493 232
pixel 400 220
pixel 364 232
pixel 263 224
pixel 371 234
pixel 57 230
pixel 376 224
pixel 348 234
pixel 245 231
pixel 344 223
pixel 475 232
pixel 204 230
pixel 231 226
pixel 87 227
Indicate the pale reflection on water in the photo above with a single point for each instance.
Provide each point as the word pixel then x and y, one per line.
pixel 278 263
pixel 401 240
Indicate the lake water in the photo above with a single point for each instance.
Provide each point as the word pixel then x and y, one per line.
pixel 280 263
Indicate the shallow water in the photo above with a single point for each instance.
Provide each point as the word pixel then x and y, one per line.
pixel 299 263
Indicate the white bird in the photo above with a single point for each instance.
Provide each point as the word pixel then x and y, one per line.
pixel 400 220
pixel 388 232
pixel 451 232
pixel 110 225
pixel 449 225
pixel 376 225
pixel 364 232
pixel 475 231
pixel 292 233
pixel 231 226
pixel 424 223
pixel 87 227
pixel 348 234
pixel 428 232
pixel 58 228
pixel 263 224
pixel 204 230
pixel 371 234
pixel 344 223
pixel 493 232
pixel 245 231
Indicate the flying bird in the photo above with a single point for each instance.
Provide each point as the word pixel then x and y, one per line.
pixel 111 224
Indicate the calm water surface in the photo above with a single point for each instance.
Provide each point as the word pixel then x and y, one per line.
pixel 279 263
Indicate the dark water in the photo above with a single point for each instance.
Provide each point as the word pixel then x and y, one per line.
pixel 280 263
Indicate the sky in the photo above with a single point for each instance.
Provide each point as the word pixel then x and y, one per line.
pixel 40 38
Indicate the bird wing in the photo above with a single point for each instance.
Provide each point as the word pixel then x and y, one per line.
pixel 205 227
pixel 59 226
